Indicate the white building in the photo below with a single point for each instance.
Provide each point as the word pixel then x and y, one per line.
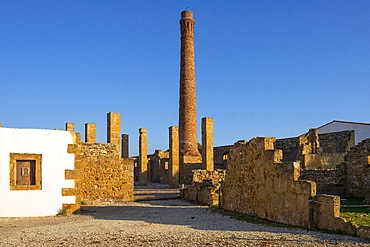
pixel 32 171
pixel 362 130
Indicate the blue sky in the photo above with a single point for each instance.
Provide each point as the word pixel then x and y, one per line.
pixel 263 68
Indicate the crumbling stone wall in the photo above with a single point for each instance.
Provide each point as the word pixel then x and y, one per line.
pixel 358 170
pixel 333 148
pixel 326 211
pixel 337 142
pixel 205 187
pixel 290 148
pixel 215 176
pixel 104 175
pixel 328 181
pixel 321 158
pixel 186 170
pixel 314 151
pixel 159 166
pixel 257 183
pixel 220 156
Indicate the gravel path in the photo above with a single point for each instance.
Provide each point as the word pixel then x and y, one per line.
pixel 156 223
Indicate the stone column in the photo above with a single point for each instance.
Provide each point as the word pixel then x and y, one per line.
pixel 143 157
pixel 114 129
pixel 70 127
pixel 207 144
pixel 174 156
pixel 187 108
pixel 90 132
pixel 125 152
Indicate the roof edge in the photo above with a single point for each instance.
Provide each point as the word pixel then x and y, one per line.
pixel 341 121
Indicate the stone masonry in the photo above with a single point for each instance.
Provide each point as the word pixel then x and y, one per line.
pixel 158 164
pixel 324 151
pixel 221 154
pixel 358 170
pixel 100 173
pixel 143 157
pixel 104 174
pixel 257 183
pixel 125 146
pixel 205 188
pixel 187 107
pixel 70 127
pixel 174 156
pixel 90 132
pixel 330 181
pixel 114 128
pixel 207 144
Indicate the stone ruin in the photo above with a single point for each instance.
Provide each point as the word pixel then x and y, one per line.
pixel 259 183
pixel 296 181
pixel 101 173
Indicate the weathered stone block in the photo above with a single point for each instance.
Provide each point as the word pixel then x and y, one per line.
pixel 281 186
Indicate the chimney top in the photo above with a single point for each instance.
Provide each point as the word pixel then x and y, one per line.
pixel 187 14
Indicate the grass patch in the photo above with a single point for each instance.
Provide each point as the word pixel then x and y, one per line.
pixel 353 210
pixel 62 212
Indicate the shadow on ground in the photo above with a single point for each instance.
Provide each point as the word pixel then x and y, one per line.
pixel 183 213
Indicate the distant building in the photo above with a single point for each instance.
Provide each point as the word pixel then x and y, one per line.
pixel 362 130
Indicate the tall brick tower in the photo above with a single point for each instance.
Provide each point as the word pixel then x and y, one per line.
pixel 187 109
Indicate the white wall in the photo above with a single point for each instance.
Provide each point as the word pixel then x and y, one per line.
pixel 362 131
pixel 52 144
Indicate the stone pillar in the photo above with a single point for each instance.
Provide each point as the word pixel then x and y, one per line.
pixel 70 127
pixel 114 128
pixel 174 156
pixel 78 138
pixel 143 157
pixel 187 108
pixel 90 132
pixel 125 152
pixel 207 144
pixel 313 139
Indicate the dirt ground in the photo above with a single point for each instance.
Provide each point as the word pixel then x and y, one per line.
pixel 157 222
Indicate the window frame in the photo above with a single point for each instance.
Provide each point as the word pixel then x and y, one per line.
pixel 14 157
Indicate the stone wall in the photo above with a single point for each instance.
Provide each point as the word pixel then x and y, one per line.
pixel 104 175
pixel 257 183
pixel 314 151
pixel 325 215
pixel 215 176
pixel 186 171
pixel 337 142
pixel 205 187
pixel 358 170
pixel 328 181
pixel 290 148
pixel 158 166
pixel 220 156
